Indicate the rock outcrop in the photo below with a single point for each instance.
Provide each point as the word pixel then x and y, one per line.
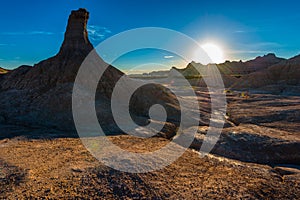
pixel 41 95
pixel 76 37
pixel 266 130
pixel 258 144
pixel 63 67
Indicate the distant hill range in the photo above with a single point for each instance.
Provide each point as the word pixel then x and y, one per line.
pixel 283 76
pixel 264 73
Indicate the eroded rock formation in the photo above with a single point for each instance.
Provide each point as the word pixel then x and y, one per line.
pixel 42 95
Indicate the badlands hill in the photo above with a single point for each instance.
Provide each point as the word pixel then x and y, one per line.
pixel 41 95
pixel 282 77
pixel 267 73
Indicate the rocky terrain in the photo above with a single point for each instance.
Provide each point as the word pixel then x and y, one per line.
pixel 256 156
pixel 265 129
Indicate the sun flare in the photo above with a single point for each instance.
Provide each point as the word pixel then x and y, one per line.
pixel 214 52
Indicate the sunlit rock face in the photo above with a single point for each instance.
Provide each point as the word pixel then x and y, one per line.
pixel 3 71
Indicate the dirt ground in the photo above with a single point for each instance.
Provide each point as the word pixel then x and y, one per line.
pixel 63 168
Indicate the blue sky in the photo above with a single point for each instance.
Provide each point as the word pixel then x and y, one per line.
pixel 32 30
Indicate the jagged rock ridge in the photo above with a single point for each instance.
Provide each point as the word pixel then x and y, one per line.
pixel 282 77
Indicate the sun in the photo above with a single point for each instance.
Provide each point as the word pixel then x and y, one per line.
pixel 214 52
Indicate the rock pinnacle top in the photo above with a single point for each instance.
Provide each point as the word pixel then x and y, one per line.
pixel 76 36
